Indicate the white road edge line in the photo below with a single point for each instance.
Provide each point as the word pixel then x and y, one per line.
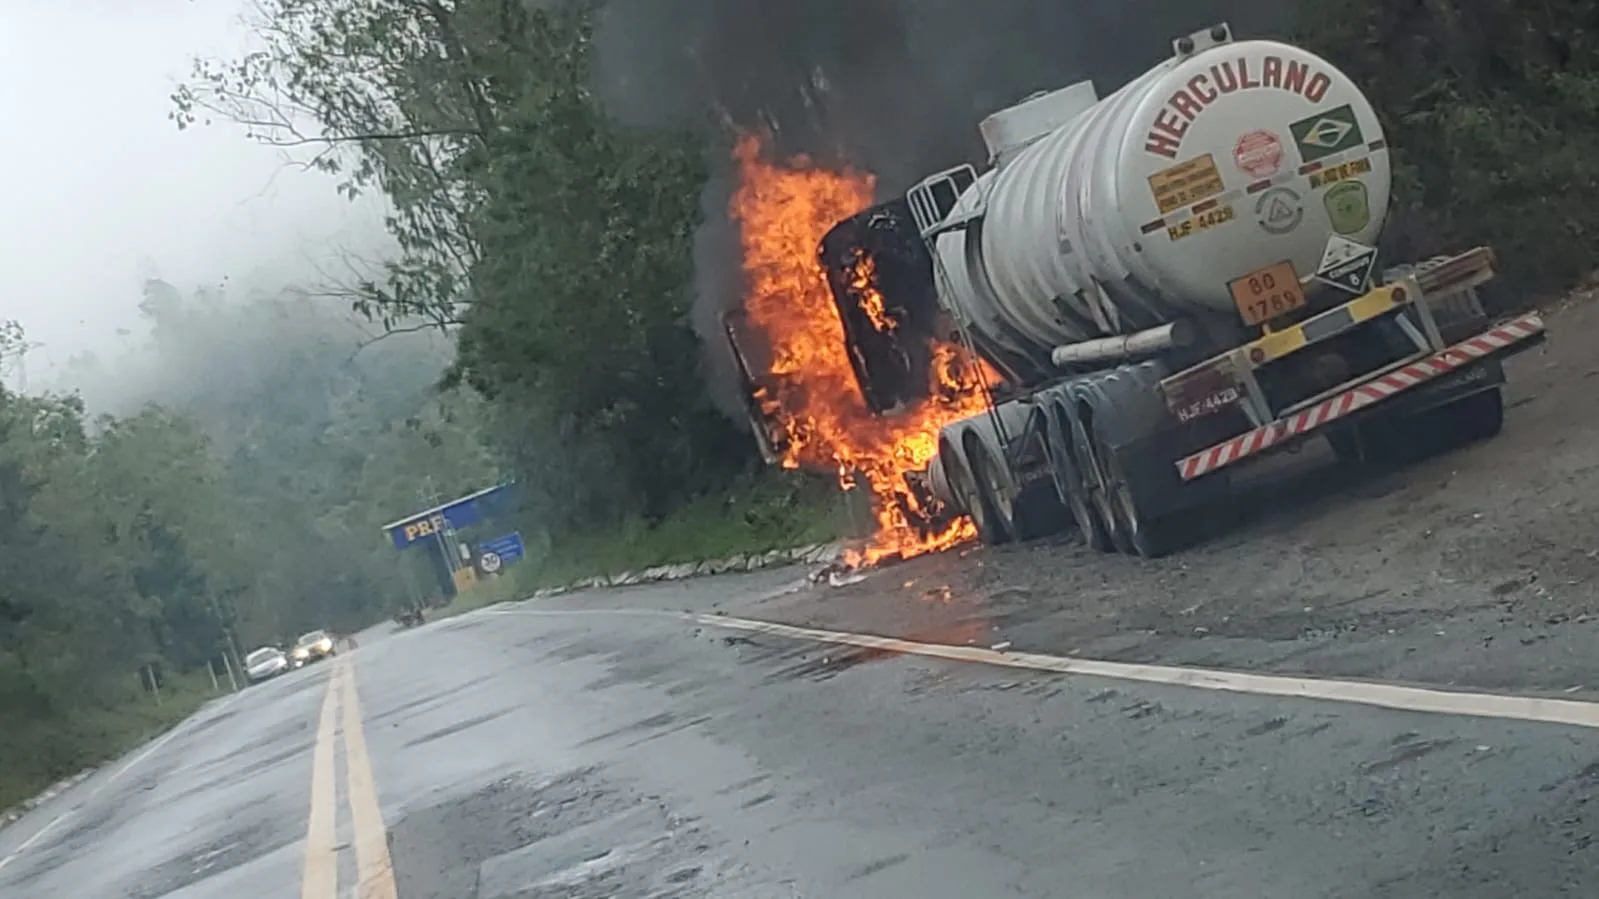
pixel 94 791
pixel 1573 712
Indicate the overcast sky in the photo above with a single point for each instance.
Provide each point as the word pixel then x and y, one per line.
pixel 102 191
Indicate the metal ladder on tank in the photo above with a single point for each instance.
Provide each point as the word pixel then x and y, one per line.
pixel 932 201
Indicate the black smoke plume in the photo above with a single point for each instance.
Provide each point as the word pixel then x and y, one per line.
pixel 895 87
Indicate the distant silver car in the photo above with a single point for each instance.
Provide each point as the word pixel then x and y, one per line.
pixel 265 663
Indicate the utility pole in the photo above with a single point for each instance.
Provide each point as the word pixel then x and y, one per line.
pixel 432 497
pixel 155 688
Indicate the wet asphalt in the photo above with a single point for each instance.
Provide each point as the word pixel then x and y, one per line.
pixel 561 750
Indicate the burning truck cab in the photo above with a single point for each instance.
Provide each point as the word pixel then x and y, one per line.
pixel 881 280
pixel 880 276
pixel 1135 297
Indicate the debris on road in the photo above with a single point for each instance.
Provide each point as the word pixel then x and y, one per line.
pixel 813 554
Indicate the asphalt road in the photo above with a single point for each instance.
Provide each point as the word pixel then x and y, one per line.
pixel 564 750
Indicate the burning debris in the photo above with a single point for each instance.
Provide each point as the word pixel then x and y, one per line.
pixel 807 391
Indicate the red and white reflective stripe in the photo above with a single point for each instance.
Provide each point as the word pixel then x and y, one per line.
pixel 1356 398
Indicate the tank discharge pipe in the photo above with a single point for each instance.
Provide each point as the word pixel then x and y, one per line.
pixel 1139 344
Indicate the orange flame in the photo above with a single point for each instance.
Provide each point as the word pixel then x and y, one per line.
pixel 809 392
pixel 863 277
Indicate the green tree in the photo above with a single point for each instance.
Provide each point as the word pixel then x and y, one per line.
pixel 1490 108
pixel 104 570
pixel 557 239
pixel 391 94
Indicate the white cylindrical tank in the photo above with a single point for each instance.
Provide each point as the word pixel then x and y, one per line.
pixel 1144 206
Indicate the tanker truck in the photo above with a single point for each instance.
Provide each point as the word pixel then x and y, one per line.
pixel 1168 284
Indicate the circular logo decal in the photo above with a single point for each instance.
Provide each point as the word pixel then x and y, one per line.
pixel 1259 154
pixel 1279 211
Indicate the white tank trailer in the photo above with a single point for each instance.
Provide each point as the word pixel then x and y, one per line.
pixel 1174 280
pixel 1075 242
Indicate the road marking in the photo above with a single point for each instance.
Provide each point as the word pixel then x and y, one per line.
pixel 375 870
pixel 1389 696
pixel 1573 712
pixel 97 789
pixel 321 880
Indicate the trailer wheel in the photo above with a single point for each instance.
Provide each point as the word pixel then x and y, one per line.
pixel 1387 442
pixel 1067 475
pixel 1464 421
pixel 1092 479
pixel 991 506
pixel 1039 510
pixel 1150 538
pixel 1106 501
pixel 965 489
pixel 1477 417
pixel 1136 533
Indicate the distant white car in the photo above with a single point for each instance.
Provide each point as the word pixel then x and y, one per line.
pixel 266 662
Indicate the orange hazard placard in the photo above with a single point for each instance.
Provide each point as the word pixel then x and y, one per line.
pixel 1266 293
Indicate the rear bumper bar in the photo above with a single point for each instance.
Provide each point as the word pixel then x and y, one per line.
pixel 1515 334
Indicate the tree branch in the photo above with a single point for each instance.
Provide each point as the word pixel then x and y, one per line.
pixel 408 329
pixel 300 140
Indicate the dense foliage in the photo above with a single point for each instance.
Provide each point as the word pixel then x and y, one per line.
pixel 556 241
pixel 1491 107
pixel 242 510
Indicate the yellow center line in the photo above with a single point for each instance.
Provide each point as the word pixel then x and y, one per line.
pixel 321 879
pixel 374 869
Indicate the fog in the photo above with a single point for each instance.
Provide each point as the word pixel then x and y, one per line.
pixel 103 192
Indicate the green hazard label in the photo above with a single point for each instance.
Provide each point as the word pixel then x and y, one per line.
pixel 1348 206
pixel 1326 133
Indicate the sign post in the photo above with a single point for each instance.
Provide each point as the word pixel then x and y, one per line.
pixel 436 529
pixel 493 555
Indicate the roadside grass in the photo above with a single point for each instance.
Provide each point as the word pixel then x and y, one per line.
pixel 36 752
pixel 503 588
pixel 759 517
pixel 766 513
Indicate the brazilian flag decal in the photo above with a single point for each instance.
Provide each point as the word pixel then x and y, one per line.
pixel 1326 133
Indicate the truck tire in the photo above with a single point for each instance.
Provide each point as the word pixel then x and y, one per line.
pixel 1480 416
pixel 1150 538
pixel 965 488
pixel 1039 513
pixel 1138 534
pixel 1128 416
pixel 1103 492
pixel 1068 477
pixel 992 509
pixel 1039 510
pixel 1387 443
